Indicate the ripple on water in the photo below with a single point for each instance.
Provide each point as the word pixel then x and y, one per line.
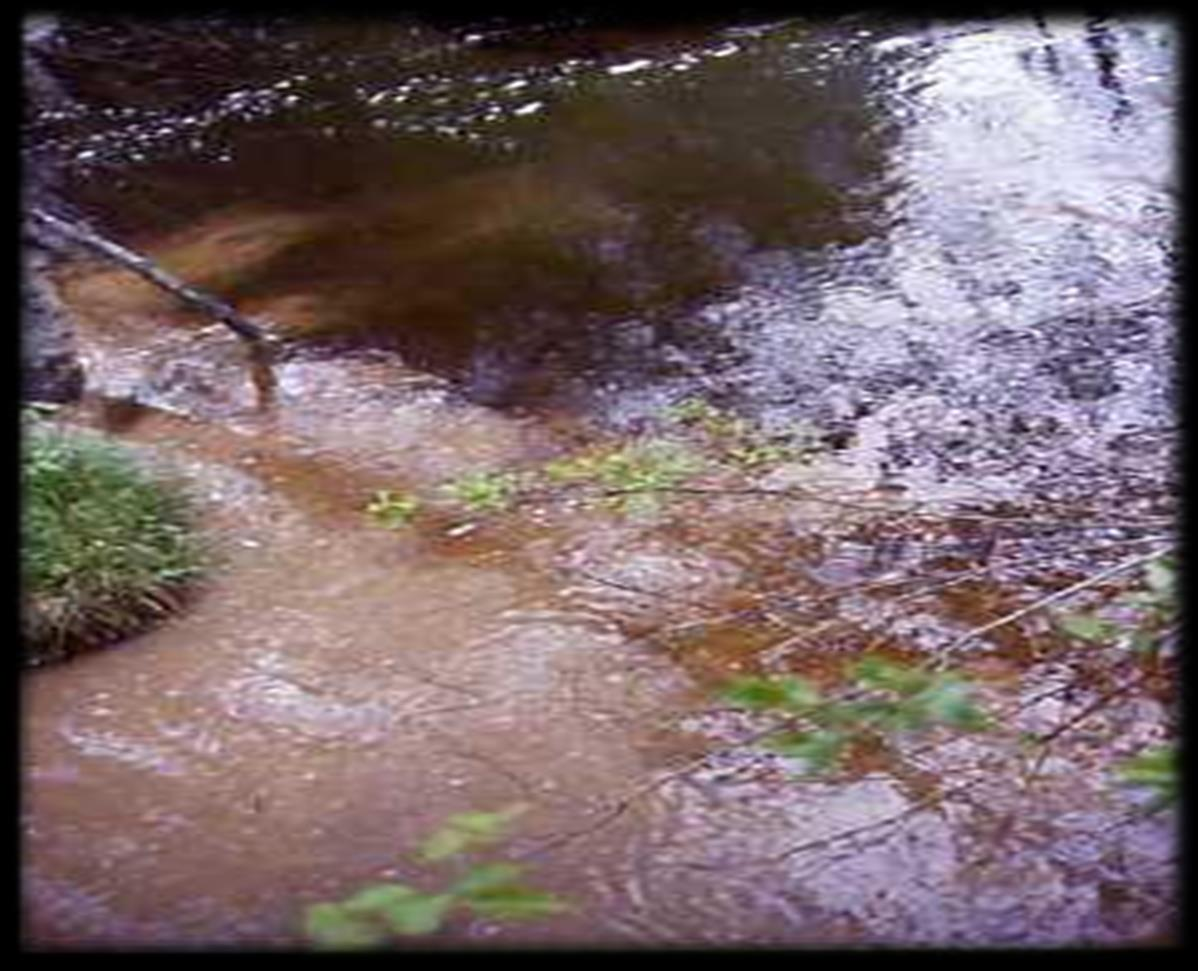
pixel 278 703
pixel 120 748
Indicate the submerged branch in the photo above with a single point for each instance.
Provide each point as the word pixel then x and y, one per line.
pixel 151 271
pixel 1052 598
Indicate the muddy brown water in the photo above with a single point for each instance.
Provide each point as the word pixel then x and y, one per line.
pixel 335 689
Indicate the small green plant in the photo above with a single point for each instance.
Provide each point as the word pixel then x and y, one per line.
pixel 377 914
pixel 701 414
pixel 691 411
pixel 630 478
pixel 393 509
pixel 1154 769
pixel 888 698
pixel 483 491
pixel 105 545
pixel 753 455
pixel 739 442
pixel 629 475
pixel 640 467
pixel 647 467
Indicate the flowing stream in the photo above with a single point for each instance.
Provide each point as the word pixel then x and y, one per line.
pixel 948 246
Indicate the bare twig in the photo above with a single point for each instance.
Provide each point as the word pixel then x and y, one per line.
pixel 1044 741
pixel 1050 599
pixel 149 270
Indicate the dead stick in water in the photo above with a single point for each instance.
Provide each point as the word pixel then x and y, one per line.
pixel 146 268
pixel 1051 598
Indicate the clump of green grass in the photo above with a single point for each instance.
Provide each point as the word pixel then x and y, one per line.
pixel 105 547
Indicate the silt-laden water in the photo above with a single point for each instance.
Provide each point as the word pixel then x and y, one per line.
pixel 948 246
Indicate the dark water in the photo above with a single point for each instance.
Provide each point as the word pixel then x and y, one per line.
pixel 802 220
pixel 951 246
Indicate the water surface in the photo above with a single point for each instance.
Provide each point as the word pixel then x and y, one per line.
pixel 950 246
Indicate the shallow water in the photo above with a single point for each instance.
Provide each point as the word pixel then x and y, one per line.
pixel 951 246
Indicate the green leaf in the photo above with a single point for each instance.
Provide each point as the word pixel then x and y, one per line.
pixel 1087 627
pixel 1152 766
pixel 876 672
pixel 1144 642
pixel 393 509
pixel 330 927
pixel 444 843
pixel 909 715
pixel 492 824
pixel 401 908
pixel 1161 577
pixel 513 902
pixel 819 750
pixel 864 713
pixel 419 914
pixel 486 876
pixel 570 469
pixel 949 702
pixel 466 831
pixel 484 491
pixel 692 410
pixel 372 900
pixel 791 693
pixel 1154 769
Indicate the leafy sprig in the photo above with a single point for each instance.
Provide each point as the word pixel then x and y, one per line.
pixel 1154 607
pixel 888 698
pixel 1154 769
pixel 376 914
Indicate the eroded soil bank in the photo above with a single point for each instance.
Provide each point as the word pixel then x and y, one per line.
pixel 991 371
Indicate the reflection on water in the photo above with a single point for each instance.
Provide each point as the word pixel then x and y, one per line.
pixel 731 208
pixel 950 246
pixel 498 210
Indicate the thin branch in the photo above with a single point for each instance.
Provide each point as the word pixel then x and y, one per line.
pixel 639 591
pixel 149 270
pixel 1050 599
pixel 1044 741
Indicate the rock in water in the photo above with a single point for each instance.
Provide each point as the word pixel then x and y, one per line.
pixel 50 369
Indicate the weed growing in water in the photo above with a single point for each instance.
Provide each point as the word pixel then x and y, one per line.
pixel 629 478
pixel 1154 618
pixel 484 491
pixel 701 414
pixel 1154 606
pixel 393 509
pixel 739 442
pixel 888 698
pixel 376 914
pixel 758 455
